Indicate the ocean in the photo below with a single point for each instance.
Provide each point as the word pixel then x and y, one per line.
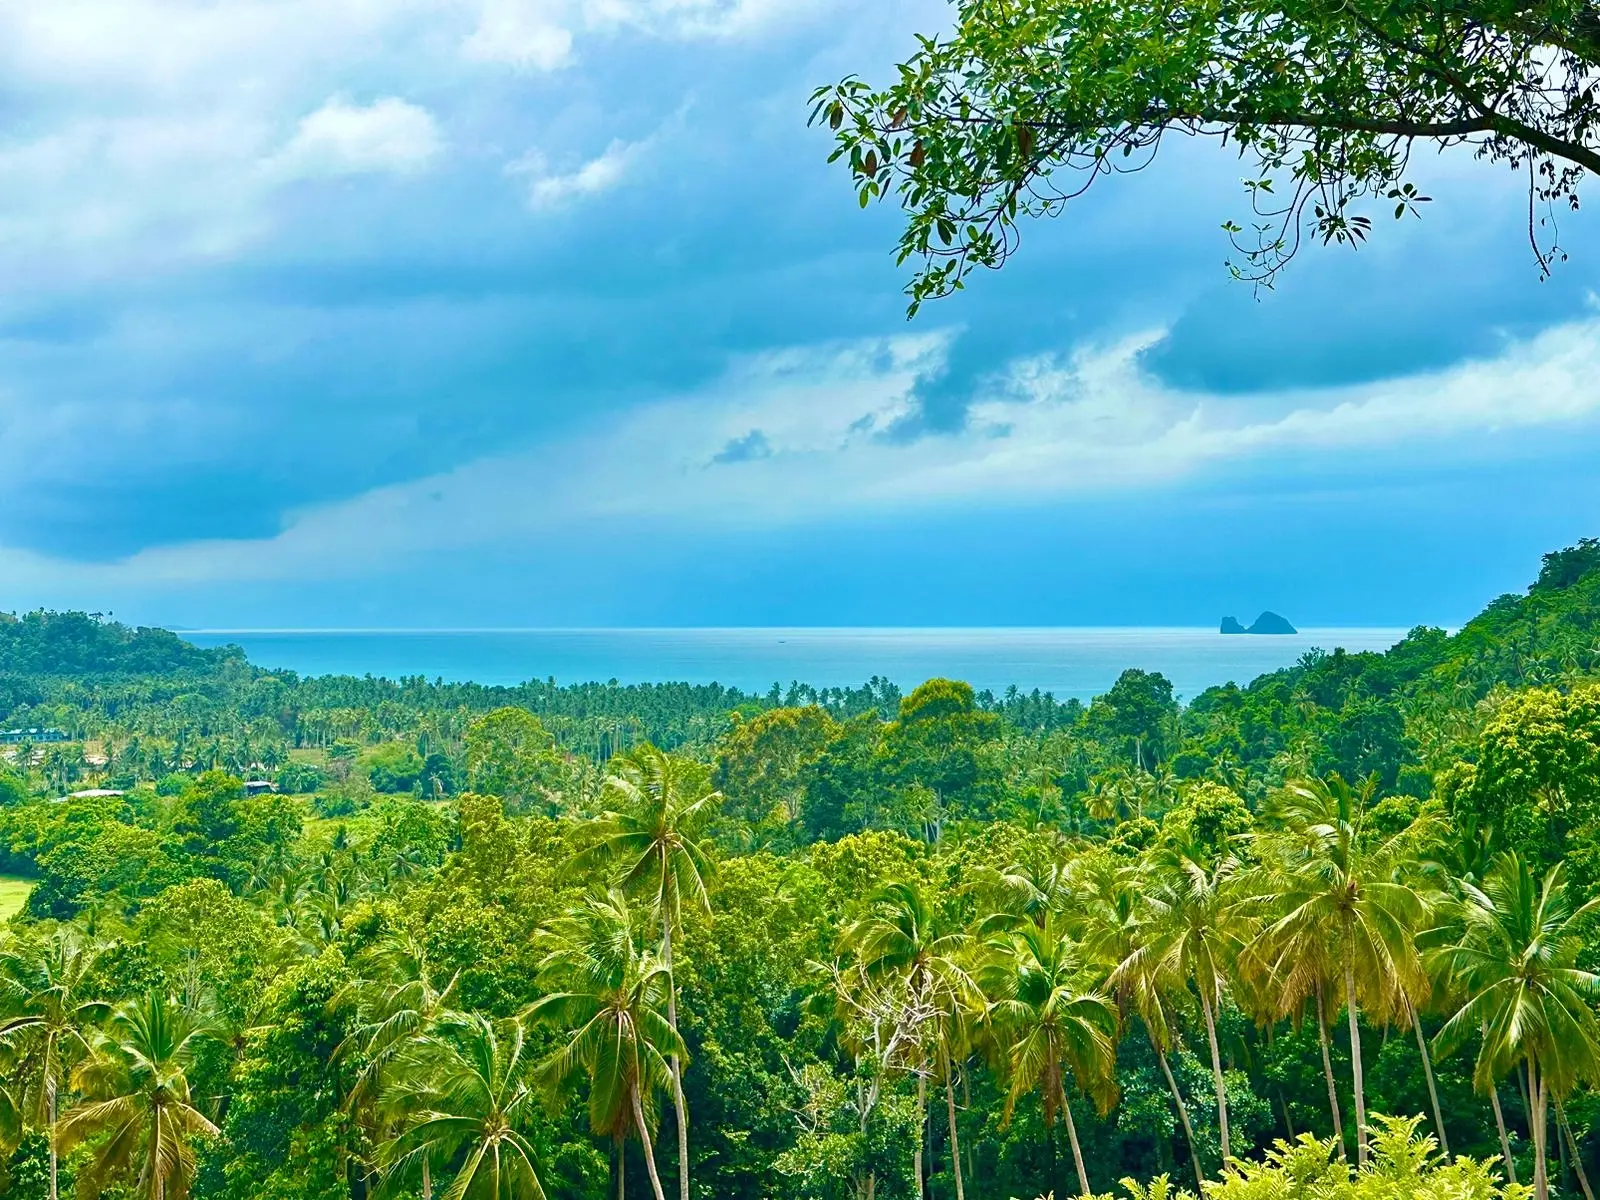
pixel 1071 661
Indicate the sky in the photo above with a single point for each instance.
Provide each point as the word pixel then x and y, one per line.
pixel 453 313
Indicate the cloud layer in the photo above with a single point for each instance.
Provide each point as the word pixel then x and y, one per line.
pixel 296 291
pixel 794 437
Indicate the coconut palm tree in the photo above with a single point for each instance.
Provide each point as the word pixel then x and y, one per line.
pixel 11 1120
pixel 137 1116
pixel 463 1087
pixel 1196 925
pixel 604 1001
pixel 1111 921
pixel 1347 899
pixel 49 1027
pixel 1052 1023
pixel 652 840
pixel 901 939
pixel 398 1005
pixel 1525 996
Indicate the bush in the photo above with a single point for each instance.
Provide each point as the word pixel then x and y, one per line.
pixel 1404 1165
pixel 300 779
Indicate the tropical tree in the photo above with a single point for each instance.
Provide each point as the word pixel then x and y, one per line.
pixel 605 1001
pixel 1015 112
pixel 1112 923
pixel 652 839
pixel 1526 998
pixel 1348 902
pixel 52 1020
pixel 902 939
pixel 463 1087
pixel 398 1005
pixel 1196 924
pixel 1052 1023
pixel 137 1116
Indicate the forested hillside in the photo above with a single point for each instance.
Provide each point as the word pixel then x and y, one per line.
pixel 636 941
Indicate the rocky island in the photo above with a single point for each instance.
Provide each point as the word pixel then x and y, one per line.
pixel 1267 622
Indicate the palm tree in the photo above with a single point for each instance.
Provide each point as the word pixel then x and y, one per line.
pixel 605 1001
pixel 464 1089
pixel 1195 927
pixel 652 840
pixel 398 1006
pixel 11 1120
pixel 1110 921
pixel 1524 993
pixel 1052 1023
pixel 137 1115
pixel 1345 900
pixel 49 1029
pixel 901 939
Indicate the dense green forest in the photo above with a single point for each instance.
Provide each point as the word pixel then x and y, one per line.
pixel 1326 934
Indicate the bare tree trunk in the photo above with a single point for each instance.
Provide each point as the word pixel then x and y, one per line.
pixel 649 1148
pixel 1577 1155
pixel 620 1157
pixel 1072 1137
pixel 955 1138
pixel 427 1179
pixel 1427 1072
pixel 1183 1115
pixel 681 1108
pixel 1216 1072
pixel 1327 1071
pixel 1355 1062
pixel 1505 1139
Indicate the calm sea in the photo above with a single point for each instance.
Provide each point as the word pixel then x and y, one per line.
pixel 1080 662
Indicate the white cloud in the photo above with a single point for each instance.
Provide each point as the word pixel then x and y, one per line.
pixel 1090 423
pixel 341 138
pixel 548 189
pixel 539 34
pixel 520 34
pixel 137 130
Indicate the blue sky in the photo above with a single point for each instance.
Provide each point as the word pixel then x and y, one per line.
pixel 550 312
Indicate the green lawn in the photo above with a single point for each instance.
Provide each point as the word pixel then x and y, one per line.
pixel 13 895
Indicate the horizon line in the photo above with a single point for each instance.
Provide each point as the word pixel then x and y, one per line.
pixel 1301 631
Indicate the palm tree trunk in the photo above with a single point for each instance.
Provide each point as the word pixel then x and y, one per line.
pixel 1327 1071
pixel 1355 1062
pixel 955 1138
pixel 427 1178
pixel 50 1102
pixel 1577 1156
pixel 922 1130
pixel 621 1153
pixel 157 1174
pixel 1505 1140
pixel 1216 1074
pixel 1072 1137
pixel 680 1107
pixel 966 1101
pixel 1183 1115
pixel 1427 1072
pixel 1540 1131
pixel 649 1148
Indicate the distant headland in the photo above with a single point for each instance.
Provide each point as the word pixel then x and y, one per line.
pixel 1267 622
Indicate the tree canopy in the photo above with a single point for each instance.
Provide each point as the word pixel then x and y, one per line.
pixel 1025 104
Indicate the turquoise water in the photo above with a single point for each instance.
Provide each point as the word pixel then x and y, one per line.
pixel 1080 662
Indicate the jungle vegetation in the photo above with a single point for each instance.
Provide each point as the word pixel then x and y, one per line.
pixel 1326 934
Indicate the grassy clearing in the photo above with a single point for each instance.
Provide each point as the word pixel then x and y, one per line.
pixel 13 895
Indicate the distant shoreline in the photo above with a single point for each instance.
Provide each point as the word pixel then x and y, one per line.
pixel 1066 661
